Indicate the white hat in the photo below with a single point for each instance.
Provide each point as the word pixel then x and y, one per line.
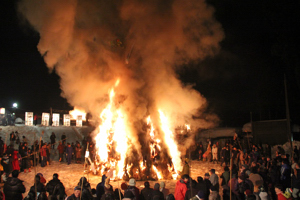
pixel 131 182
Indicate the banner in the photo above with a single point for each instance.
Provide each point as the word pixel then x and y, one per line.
pixel 55 119
pixel 45 119
pixel 67 120
pixel 79 120
pixel 2 111
pixel 28 118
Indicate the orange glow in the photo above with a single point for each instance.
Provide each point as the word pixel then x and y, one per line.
pixel 159 176
pixel 77 111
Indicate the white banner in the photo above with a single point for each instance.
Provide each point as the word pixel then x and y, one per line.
pixel 2 111
pixel 67 120
pixel 28 118
pixel 79 120
pixel 55 119
pixel 45 119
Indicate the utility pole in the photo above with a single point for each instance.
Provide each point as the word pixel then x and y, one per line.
pixel 288 120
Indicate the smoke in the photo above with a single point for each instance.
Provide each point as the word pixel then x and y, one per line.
pixel 89 42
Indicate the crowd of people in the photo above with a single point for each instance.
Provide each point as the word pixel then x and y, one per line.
pixel 251 174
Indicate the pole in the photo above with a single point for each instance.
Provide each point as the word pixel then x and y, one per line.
pixel 230 173
pixel 288 120
pixel 190 171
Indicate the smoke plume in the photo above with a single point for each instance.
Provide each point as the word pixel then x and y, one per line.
pixel 92 43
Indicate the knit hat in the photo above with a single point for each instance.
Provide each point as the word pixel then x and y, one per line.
pixel 213 171
pixel 77 188
pixel 206 174
pixel 131 182
pixel 123 186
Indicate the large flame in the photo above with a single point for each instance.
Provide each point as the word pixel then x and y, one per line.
pixel 112 134
pixel 170 141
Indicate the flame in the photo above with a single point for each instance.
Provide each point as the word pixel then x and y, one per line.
pixel 188 127
pixel 159 176
pixel 112 131
pixel 169 139
pixel 77 111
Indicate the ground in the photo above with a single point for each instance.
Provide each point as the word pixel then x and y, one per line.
pixel 70 175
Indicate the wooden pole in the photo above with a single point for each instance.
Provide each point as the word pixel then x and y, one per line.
pixel 230 174
pixel 288 120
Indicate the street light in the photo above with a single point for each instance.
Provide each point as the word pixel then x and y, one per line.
pixel 15 105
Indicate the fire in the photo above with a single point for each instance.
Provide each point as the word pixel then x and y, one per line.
pixel 159 176
pixel 169 139
pixel 77 111
pixel 111 141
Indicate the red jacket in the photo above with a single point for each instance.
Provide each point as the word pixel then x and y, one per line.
pixel 180 190
pixel 43 152
pixel 281 197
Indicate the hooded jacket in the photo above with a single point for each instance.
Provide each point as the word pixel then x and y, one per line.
pixel 180 190
pixel 13 188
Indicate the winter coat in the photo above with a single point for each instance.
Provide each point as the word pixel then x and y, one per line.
pixel 72 197
pixel 55 187
pixel 61 148
pixel 296 180
pixel 156 195
pixel 13 189
pixel 69 151
pixel 78 152
pixel 215 152
pixel 285 172
pixel 202 186
pixel 86 189
pixel 264 196
pixel 186 169
pixel 225 177
pixel 214 179
pixel 100 188
pixel 15 162
pixel 180 190
pixel 135 191
pixel 145 193
pixel 190 193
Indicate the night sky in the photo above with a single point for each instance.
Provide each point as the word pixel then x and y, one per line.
pixel 261 45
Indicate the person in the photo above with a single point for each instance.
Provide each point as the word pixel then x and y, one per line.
pixel 131 187
pixel 75 195
pixel 191 192
pixel 181 188
pixel 285 174
pixel 186 167
pixel 214 179
pixel 163 189
pixel 146 191
pixel 56 188
pixel 52 139
pixel 215 153
pixel 38 186
pixel 207 184
pixel 61 150
pixel 86 189
pixel 14 187
pixel 15 162
pixel 78 150
pixel 243 185
pixel 128 195
pixel 225 176
pixel 108 191
pixel 100 187
pixel 43 154
pixel 69 153
pixel 156 194
pixel 7 165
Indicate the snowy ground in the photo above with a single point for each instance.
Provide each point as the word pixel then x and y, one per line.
pixel 70 175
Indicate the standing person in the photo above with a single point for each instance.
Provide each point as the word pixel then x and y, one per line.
pixel 25 159
pixel 214 179
pixel 15 162
pixel 191 192
pixel 43 154
pixel 38 186
pixel 52 139
pixel 13 187
pixel 215 153
pixel 78 150
pixel 164 190
pixel 48 151
pixel 69 153
pixel 181 188
pixel 61 150
pixel 146 191
pixel 156 194
pixel 285 174
pixel 200 151
pixel 131 187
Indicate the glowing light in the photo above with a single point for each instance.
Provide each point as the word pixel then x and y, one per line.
pixel 77 111
pixel 159 176
pixel 15 105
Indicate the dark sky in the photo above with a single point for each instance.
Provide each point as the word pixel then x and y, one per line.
pixel 261 45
